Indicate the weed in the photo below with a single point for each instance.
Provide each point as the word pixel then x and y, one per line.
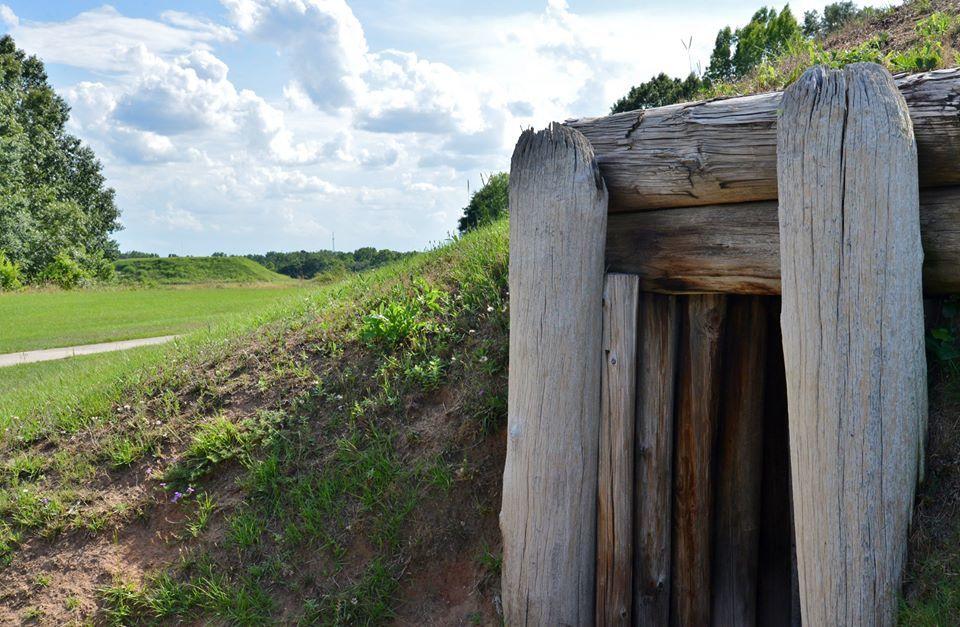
pixel 245 529
pixel 201 517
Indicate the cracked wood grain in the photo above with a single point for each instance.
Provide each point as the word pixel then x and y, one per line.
pixel 736 248
pixel 852 322
pixel 615 482
pixel 558 213
pixel 725 150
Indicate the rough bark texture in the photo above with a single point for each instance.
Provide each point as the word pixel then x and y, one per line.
pixel 558 212
pixel 736 248
pixel 724 151
pixel 698 401
pixel 617 418
pixel 659 332
pixel 852 324
pixel 736 542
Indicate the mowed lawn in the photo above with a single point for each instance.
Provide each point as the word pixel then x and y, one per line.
pixel 50 319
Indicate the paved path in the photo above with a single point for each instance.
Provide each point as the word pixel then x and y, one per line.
pixel 29 357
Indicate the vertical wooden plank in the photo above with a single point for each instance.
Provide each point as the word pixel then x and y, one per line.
pixel 853 337
pixel 658 340
pixel 615 475
pixel 698 401
pixel 558 213
pixel 774 579
pixel 739 459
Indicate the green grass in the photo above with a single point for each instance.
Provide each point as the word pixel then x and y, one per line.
pixel 192 270
pixel 306 408
pixel 50 319
pixel 74 387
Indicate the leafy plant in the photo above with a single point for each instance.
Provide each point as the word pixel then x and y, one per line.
pixel 9 274
pixel 391 323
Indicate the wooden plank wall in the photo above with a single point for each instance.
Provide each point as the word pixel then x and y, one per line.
pixel 712 533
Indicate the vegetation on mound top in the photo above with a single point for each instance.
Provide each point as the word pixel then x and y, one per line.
pixel 326 263
pixel 318 466
pixel 774 49
pixel 187 270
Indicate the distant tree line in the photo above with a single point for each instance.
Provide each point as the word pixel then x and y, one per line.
pixel 56 213
pixel 736 53
pixel 306 265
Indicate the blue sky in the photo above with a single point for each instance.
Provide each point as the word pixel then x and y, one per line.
pixel 254 125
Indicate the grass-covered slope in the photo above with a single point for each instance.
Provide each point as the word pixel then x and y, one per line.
pixel 335 461
pixel 186 270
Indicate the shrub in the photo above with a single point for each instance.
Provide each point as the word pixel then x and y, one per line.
pixel 9 274
pixel 64 272
pixel 487 204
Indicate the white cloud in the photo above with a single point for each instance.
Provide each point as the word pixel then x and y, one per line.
pixel 322 39
pixel 175 219
pixel 7 16
pixel 98 39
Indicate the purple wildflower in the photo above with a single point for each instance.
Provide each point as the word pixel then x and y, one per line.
pixel 176 497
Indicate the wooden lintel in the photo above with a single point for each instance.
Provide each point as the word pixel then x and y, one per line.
pixel 736 248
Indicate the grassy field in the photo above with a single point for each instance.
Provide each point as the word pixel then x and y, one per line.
pixel 355 432
pixel 192 270
pixel 49 319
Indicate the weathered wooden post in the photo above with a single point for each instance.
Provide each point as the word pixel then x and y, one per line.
pixel 558 217
pixel 659 333
pixel 615 481
pixel 739 459
pixel 698 403
pixel 852 323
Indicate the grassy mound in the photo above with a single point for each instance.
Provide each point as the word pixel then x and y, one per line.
pixel 333 461
pixel 186 270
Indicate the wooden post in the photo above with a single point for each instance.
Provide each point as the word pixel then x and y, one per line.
pixel 558 213
pixel 853 343
pixel 615 483
pixel 659 333
pixel 739 461
pixel 698 400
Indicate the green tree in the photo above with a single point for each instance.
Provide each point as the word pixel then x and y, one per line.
pixel 765 37
pixel 54 205
pixel 487 203
pixel 721 63
pixel 659 91
pixel 836 15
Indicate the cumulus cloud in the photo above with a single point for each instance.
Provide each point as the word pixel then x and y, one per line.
pixel 322 39
pixel 97 39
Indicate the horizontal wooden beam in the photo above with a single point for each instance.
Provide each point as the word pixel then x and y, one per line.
pixel 725 151
pixel 736 248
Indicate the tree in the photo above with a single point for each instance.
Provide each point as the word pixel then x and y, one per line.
pixel 487 203
pixel 765 37
pixel 721 64
pixel 55 210
pixel 836 15
pixel 659 91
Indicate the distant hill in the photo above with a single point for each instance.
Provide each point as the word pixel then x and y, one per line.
pixel 186 270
